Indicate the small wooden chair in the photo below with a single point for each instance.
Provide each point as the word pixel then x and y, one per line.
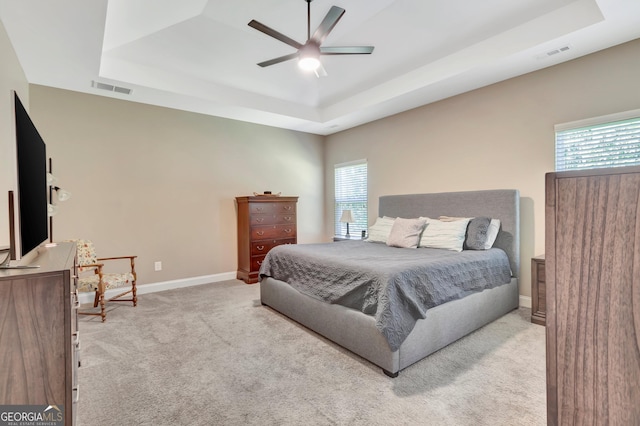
pixel 100 281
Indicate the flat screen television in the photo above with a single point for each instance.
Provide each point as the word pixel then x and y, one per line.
pixel 32 182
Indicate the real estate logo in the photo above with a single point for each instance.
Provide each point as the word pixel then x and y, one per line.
pixel 31 415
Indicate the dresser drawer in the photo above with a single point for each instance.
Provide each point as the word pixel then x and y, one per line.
pixel 273 231
pixel 256 262
pixel 266 208
pixel 272 219
pixel 262 247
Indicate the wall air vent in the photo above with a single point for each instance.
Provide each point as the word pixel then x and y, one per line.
pixel 110 87
pixel 553 52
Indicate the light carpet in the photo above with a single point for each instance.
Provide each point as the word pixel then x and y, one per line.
pixel 213 355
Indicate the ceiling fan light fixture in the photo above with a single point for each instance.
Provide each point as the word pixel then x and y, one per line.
pixel 309 57
pixel 309 63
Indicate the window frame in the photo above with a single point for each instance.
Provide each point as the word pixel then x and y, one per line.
pixel 359 213
pixel 597 125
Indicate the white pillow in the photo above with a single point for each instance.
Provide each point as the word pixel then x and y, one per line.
pixel 406 232
pixel 492 233
pixel 444 235
pixel 379 231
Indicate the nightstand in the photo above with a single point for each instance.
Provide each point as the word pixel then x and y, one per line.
pixel 538 291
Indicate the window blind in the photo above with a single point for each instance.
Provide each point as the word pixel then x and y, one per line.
pixel 351 194
pixel 606 144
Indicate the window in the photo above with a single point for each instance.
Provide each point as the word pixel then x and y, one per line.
pixel 610 141
pixel 351 194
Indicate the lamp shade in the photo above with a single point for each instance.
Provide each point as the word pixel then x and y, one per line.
pixel 51 179
pixel 52 209
pixel 346 217
pixel 63 195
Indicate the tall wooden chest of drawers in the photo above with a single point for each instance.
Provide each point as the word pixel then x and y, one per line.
pixel 592 268
pixel 263 223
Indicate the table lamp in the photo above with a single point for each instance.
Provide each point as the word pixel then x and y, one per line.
pixel 346 218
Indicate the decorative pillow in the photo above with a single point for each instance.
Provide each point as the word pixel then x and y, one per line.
pixel 379 231
pixel 451 218
pixel 444 235
pixel 477 233
pixel 406 232
pixel 492 233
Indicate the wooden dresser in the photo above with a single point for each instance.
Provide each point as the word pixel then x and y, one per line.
pixel 39 332
pixel 538 291
pixel 263 223
pixel 592 266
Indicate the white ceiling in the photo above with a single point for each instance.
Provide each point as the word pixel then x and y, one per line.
pixel 201 56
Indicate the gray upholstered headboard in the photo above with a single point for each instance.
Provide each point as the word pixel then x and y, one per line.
pixel 503 204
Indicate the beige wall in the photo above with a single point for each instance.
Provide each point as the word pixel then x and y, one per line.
pixel 12 79
pixel 161 183
pixel 501 136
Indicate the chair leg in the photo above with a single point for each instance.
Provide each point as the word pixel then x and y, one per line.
pixel 103 313
pixel 134 294
pixel 96 300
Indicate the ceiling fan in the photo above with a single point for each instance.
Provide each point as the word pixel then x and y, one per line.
pixel 308 54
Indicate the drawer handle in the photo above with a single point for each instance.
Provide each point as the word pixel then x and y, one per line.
pixel 260 220
pixel 260 248
pixel 259 209
pixel 287 207
pixel 288 230
pixel 76 339
pixel 76 390
pixel 259 262
pixel 288 218
pixel 260 233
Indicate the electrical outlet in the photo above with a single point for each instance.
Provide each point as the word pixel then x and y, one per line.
pixel 158 266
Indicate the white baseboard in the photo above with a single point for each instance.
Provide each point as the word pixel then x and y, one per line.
pixel 525 301
pixel 87 297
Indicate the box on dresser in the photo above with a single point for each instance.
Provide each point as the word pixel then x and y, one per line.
pixel 264 222
pixel 39 332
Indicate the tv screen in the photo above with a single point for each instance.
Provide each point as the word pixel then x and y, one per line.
pixel 32 182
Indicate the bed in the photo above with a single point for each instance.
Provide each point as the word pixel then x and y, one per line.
pixel 349 326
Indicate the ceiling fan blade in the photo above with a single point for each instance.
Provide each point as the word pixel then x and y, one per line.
pixel 327 24
pixel 278 60
pixel 346 50
pixel 275 34
pixel 321 72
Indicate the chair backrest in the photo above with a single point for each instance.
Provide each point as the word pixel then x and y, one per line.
pixel 86 252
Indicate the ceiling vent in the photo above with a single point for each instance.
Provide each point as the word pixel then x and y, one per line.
pixel 554 52
pixel 110 87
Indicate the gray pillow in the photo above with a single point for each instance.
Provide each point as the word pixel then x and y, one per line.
pixel 406 232
pixel 477 233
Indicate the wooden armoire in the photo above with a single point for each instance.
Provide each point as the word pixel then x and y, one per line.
pixel 593 297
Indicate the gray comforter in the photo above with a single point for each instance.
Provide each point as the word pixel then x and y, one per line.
pixel 395 285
